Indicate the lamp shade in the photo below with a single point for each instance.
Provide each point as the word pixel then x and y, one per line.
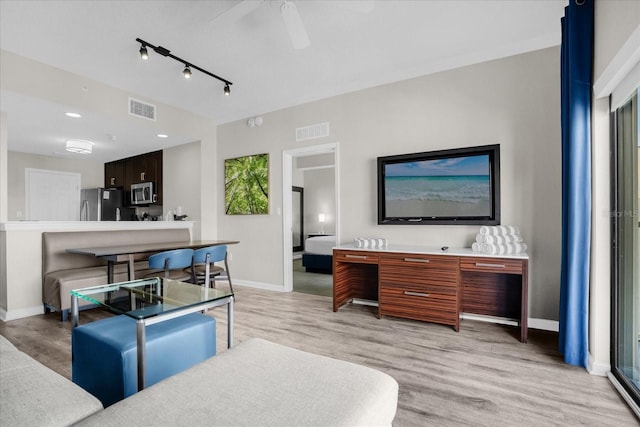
pixel 322 217
pixel 79 146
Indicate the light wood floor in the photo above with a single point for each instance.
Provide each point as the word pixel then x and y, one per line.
pixel 481 376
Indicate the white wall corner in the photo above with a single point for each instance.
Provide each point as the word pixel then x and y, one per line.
pixel 597 367
pixel 620 66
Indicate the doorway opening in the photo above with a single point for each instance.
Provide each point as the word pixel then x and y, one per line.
pixel 321 207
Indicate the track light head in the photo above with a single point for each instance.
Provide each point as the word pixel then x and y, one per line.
pixel 143 53
pixel 186 72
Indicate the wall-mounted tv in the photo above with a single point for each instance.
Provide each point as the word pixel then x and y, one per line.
pixel 459 186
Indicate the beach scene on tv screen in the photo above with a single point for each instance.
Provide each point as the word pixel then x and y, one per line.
pixel 450 187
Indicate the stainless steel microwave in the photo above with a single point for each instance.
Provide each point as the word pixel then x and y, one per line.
pixel 142 193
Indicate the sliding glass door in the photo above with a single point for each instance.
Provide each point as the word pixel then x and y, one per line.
pixel 626 250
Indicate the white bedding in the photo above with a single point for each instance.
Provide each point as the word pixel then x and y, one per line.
pixel 322 245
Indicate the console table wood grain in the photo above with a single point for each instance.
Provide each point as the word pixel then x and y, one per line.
pixel 428 284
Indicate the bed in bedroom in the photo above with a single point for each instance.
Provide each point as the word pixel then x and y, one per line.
pixel 318 254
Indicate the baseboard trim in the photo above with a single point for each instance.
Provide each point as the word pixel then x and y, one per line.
pixel 489 319
pixel 21 313
pixel 259 285
pixel 597 368
pixel 532 323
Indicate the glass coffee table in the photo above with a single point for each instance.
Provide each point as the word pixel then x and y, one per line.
pixel 151 301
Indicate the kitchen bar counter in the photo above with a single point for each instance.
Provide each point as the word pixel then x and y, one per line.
pixel 91 225
pixel 21 258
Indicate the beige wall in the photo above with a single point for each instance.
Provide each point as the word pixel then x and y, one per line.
pixel 319 197
pixel 512 101
pixel 181 183
pixel 92 175
pixel 3 167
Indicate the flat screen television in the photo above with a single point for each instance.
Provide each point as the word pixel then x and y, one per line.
pixel 458 186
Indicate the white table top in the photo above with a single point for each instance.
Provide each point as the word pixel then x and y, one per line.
pixel 430 250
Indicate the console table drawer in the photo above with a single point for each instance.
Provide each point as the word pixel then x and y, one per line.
pixel 414 269
pixel 419 303
pixel 492 265
pixel 359 257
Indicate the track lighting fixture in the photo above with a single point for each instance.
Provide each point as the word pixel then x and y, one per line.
pixel 143 53
pixel 187 65
pixel 186 72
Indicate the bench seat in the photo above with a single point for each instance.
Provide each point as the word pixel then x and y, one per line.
pixel 63 271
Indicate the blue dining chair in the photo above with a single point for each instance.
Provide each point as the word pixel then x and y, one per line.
pixel 172 263
pixel 204 269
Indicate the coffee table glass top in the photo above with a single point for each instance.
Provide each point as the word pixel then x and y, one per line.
pixel 145 298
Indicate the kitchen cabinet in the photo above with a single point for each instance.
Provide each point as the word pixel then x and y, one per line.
pixel 144 168
pixel 114 174
pixel 132 170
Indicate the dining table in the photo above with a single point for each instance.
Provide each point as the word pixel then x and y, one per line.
pixel 133 252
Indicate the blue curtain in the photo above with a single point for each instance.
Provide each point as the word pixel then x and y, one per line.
pixel 576 72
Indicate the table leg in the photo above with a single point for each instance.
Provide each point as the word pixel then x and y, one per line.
pixel 140 344
pixel 109 271
pixel 75 314
pixel 230 323
pixel 132 272
pixel 524 302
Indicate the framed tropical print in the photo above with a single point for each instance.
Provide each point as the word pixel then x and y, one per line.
pixel 246 185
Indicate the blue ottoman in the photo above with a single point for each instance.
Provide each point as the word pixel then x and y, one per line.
pixel 104 353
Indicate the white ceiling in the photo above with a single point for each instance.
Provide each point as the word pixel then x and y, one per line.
pixel 350 50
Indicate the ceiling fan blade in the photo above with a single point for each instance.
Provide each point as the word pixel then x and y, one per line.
pixel 295 26
pixel 238 11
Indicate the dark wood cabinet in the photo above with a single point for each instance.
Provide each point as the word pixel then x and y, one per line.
pixel 114 174
pixel 145 167
pixel 433 287
pixel 420 287
pixel 133 170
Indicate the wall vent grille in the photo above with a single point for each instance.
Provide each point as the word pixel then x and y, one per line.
pixel 312 132
pixel 142 109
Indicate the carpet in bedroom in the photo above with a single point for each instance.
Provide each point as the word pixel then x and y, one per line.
pixel 311 283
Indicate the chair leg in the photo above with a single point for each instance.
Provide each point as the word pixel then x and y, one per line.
pixel 226 267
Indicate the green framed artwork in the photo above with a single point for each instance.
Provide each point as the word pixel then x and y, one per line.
pixel 246 185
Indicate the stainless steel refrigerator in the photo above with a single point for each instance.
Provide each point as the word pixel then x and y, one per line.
pixel 102 204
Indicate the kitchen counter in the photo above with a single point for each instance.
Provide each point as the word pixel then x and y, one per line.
pixel 21 258
pixel 91 225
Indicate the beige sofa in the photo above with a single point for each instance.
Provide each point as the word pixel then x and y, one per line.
pixel 255 383
pixel 33 395
pixel 62 271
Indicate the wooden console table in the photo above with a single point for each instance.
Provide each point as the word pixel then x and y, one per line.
pixel 429 284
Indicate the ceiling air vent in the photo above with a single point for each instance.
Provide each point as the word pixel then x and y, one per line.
pixel 311 132
pixel 142 109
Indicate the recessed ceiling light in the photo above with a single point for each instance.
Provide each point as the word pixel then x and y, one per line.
pixel 74 115
pixel 162 135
